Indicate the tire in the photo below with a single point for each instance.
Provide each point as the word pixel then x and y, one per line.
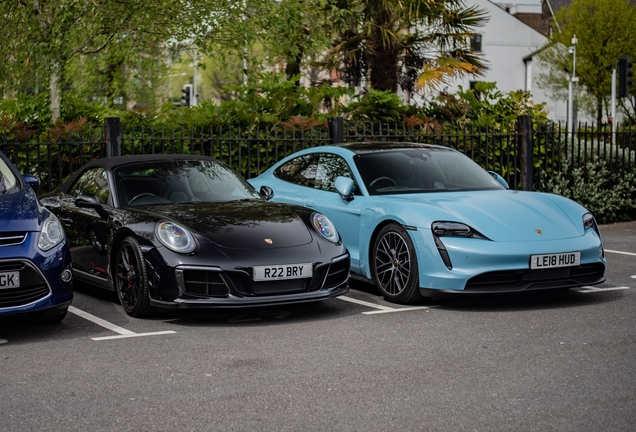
pixel 50 317
pixel 131 279
pixel 394 265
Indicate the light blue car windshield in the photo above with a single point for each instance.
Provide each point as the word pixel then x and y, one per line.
pixel 421 170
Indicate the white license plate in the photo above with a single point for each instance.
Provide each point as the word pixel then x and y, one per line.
pixel 10 280
pixel 568 259
pixel 282 272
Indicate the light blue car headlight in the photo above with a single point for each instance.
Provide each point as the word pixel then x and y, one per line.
pixel 52 233
pixel 175 237
pixel 325 227
pixel 590 222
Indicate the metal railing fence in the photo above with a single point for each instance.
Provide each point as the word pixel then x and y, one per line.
pixel 251 150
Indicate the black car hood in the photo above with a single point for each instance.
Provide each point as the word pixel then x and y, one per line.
pixel 240 224
pixel 19 211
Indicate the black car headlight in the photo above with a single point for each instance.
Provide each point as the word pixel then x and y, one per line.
pixel 325 227
pixel 451 229
pixel 52 233
pixel 175 237
pixel 590 222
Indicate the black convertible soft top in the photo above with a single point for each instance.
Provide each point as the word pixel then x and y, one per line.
pixel 112 162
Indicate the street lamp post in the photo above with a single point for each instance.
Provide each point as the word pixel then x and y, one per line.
pixel 571 82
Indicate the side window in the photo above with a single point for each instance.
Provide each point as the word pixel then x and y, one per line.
pixel 94 181
pixel 329 168
pixel 300 171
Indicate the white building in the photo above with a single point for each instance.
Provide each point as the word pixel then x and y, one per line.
pixel 508 43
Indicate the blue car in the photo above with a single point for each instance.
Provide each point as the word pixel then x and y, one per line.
pixel 420 219
pixel 35 262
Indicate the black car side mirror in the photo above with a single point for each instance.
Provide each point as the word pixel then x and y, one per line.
pixel 267 193
pixel 90 201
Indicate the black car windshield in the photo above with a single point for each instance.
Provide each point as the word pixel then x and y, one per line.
pixel 179 181
pixel 421 170
pixel 8 181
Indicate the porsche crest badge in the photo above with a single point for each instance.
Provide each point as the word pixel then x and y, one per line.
pixel 269 241
pixel 538 231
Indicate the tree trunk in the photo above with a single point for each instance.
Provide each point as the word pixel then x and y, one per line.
pixel 293 65
pixel 54 92
pixel 383 61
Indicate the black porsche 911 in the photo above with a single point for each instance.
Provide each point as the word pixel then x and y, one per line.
pixel 180 231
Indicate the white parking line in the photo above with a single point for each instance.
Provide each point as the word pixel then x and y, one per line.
pixel 589 289
pixel 382 309
pixel 123 333
pixel 620 252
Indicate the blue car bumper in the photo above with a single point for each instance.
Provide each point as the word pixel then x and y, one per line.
pixel 38 275
pixel 483 266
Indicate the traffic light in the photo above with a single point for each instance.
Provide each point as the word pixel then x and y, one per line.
pixel 187 95
pixel 624 75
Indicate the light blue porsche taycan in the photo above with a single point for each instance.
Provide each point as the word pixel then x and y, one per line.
pixel 419 219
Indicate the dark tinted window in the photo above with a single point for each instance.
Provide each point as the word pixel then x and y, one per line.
pixel 94 181
pixel 318 171
pixel 300 170
pixel 422 170
pixel 182 181
pixel 329 168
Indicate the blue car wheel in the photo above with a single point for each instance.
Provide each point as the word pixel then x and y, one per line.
pixel 394 265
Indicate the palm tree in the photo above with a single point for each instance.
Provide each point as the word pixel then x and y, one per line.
pixel 411 43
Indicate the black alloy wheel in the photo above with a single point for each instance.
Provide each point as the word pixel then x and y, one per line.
pixel 394 265
pixel 131 280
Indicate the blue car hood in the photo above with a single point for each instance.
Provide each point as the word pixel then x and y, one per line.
pixel 19 211
pixel 509 215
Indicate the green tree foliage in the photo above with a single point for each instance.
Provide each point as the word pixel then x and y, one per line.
pixel 42 37
pixel 408 43
pixel 291 32
pixel 486 106
pixel 604 30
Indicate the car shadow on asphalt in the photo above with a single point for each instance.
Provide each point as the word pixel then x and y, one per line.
pixel 537 300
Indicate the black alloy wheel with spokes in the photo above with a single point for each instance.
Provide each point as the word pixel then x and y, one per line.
pixel 394 265
pixel 131 280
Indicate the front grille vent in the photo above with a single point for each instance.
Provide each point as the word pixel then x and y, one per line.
pixel 12 238
pixel 202 282
pixel 519 280
pixel 32 285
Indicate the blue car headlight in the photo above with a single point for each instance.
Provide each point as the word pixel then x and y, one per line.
pixel 175 237
pixel 52 233
pixel 590 222
pixel 325 227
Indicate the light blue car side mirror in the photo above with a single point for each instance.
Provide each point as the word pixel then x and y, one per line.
pixel 344 186
pixel 500 179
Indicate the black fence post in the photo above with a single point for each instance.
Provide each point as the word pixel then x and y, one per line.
pixel 526 153
pixel 112 135
pixel 336 130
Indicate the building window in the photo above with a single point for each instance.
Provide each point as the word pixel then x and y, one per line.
pixel 475 43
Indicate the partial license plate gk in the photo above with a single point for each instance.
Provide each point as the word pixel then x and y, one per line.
pixel 569 259
pixel 282 272
pixel 10 280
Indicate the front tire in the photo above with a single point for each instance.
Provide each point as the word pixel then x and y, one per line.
pixel 131 279
pixel 394 265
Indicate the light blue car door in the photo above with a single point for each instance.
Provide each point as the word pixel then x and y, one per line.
pixel 344 214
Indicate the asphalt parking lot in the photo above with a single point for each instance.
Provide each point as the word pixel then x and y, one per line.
pixel 561 361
